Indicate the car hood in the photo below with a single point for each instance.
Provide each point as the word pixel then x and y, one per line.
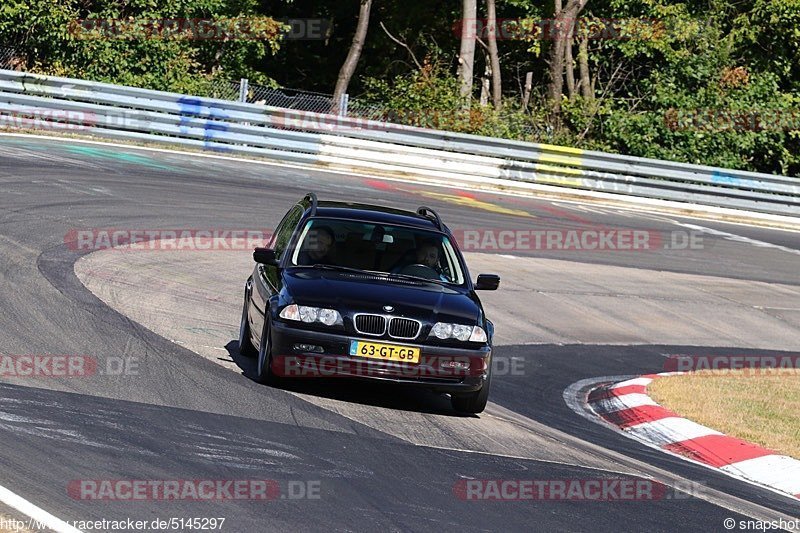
pixel 354 293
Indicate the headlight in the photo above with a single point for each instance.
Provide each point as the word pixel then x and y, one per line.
pixel 308 314
pixel 443 330
pixel 302 313
pixel 328 317
pixel 462 333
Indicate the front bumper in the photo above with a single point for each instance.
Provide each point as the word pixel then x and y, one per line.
pixel 440 368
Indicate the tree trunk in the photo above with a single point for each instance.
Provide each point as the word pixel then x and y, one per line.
pixel 466 57
pixel 564 20
pixel 526 96
pixel 587 90
pixel 569 64
pixel 497 82
pixel 486 81
pixel 350 64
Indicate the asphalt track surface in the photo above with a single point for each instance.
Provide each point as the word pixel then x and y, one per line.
pixel 181 416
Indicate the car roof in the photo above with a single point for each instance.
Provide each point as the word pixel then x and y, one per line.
pixel 374 213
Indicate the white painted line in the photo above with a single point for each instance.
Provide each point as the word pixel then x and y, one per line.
pixel 667 374
pixel 577 402
pixel 44 519
pixel 594 210
pixel 736 223
pixel 777 471
pixel 618 403
pixel 739 238
pixel 625 213
pixel 633 382
pixel 670 430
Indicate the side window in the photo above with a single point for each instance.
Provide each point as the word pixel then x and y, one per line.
pixel 451 268
pixel 284 232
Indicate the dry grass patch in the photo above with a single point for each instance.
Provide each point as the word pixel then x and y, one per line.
pixel 762 409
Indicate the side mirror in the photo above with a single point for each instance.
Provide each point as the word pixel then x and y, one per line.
pixel 265 256
pixel 487 282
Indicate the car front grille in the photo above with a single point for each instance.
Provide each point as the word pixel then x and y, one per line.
pixel 398 328
pixel 404 328
pixel 370 324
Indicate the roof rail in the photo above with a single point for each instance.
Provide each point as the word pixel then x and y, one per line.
pixel 314 202
pixel 429 213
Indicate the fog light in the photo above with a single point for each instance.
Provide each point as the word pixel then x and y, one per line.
pixel 308 348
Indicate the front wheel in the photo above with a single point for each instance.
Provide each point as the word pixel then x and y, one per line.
pixel 246 347
pixel 473 402
pixel 264 373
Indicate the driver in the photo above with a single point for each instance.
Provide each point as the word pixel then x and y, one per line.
pixel 426 254
pixel 318 247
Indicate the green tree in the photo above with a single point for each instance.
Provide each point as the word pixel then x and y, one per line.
pixel 114 44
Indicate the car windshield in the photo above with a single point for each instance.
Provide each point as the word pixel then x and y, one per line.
pixel 382 248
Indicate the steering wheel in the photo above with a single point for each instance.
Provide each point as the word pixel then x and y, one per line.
pixel 420 270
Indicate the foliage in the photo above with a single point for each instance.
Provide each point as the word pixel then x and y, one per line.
pixel 429 98
pixel 709 82
pixel 117 47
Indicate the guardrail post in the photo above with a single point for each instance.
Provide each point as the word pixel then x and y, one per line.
pixel 343 105
pixel 243 89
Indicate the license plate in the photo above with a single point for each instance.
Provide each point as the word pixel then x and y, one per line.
pixel 384 352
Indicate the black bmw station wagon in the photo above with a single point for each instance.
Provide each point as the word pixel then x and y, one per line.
pixel 360 291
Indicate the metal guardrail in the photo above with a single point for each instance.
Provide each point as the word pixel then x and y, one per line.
pixel 117 112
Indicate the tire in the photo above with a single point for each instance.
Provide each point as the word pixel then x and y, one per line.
pixel 474 402
pixel 246 347
pixel 264 372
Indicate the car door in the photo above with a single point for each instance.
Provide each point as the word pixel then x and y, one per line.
pixel 266 278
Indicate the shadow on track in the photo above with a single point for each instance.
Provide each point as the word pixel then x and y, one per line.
pixel 386 395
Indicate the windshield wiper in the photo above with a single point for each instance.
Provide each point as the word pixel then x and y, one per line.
pixel 417 278
pixel 321 266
